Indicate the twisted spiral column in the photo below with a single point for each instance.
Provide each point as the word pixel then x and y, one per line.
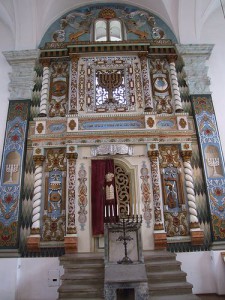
pixel 38 159
pixel 175 88
pixel 45 89
pixel 189 182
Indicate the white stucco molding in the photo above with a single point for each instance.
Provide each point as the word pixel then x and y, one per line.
pixel 22 75
pixel 195 69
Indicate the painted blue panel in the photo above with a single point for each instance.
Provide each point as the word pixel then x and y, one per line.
pixel 99 125
pixel 165 124
pixel 11 172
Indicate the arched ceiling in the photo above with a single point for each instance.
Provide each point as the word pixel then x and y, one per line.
pixel 28 20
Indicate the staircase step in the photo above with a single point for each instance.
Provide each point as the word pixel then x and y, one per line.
pixel 82 276
pixel 168 288
pixel 159 255
pixel 176 297
pixel 155 266
pixel 166 276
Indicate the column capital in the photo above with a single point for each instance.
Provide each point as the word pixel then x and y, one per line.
pixel 74 57
pixel 38 160
pixel 186 154
pixel 143 54
pixel 73 155
pixel 153 154
pixel 45 62
pixel 171 58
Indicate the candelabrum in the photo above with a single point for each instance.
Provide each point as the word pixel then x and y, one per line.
pixel 214 162
pixel 124 226
pixel 11 168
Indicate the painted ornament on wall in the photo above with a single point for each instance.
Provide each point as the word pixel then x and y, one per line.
pixel 213 162
pixel 55 195
pixel 11 172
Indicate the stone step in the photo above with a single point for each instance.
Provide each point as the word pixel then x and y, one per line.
pixel 176 297
pixel 155 266
pixel 159 255
pixel 168 288
pixel 82 291
pixel 82 276
pixel 166 276
pixel 79 266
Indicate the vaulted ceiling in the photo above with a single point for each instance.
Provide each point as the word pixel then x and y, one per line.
pixel 24 22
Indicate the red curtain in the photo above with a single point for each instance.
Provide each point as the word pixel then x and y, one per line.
pixel 102 209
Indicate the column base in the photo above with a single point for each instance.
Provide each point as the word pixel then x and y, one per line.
pixel 33 243
pixel 160 240
pixel 70 243
pixel 197 237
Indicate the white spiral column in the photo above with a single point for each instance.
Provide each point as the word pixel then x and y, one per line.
pixel 197 235
pixel 45 89
pixel 175 88
pixel 189 182
pixel 37 196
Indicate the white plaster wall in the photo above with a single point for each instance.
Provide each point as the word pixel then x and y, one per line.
pixel 205 270
pixel 28 278
pixel 8 278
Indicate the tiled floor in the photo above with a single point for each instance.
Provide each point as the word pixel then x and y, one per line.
pixel 211 297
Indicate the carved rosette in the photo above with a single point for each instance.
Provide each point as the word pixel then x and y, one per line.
pixel 146 82
pixel 45 88
pixel 71 228
pixel 73 86
pixel 189 182
pixel 153 156
pixel 37 195
pixel 175 88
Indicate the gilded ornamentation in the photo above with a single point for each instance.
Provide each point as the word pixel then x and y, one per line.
pixel 161 87
pixel 157 195
pixel 176 224
pixel 169 156
pixel 150 122
pixel 186 155
pixel 71 228
pixel 73 85
pixel 163 105
pixel 38 160
pixel 56 159
pixel 37 151
pixel 82 196
pixel 58 89
pixel 81 86
pixel 40 127
pixel 122 181
pixel 53 230
pixel 182 123
pixel 146 194
pixel 146 82
pixel 71 148
pixel 106 78
pixel 107 13
pixel 72 124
